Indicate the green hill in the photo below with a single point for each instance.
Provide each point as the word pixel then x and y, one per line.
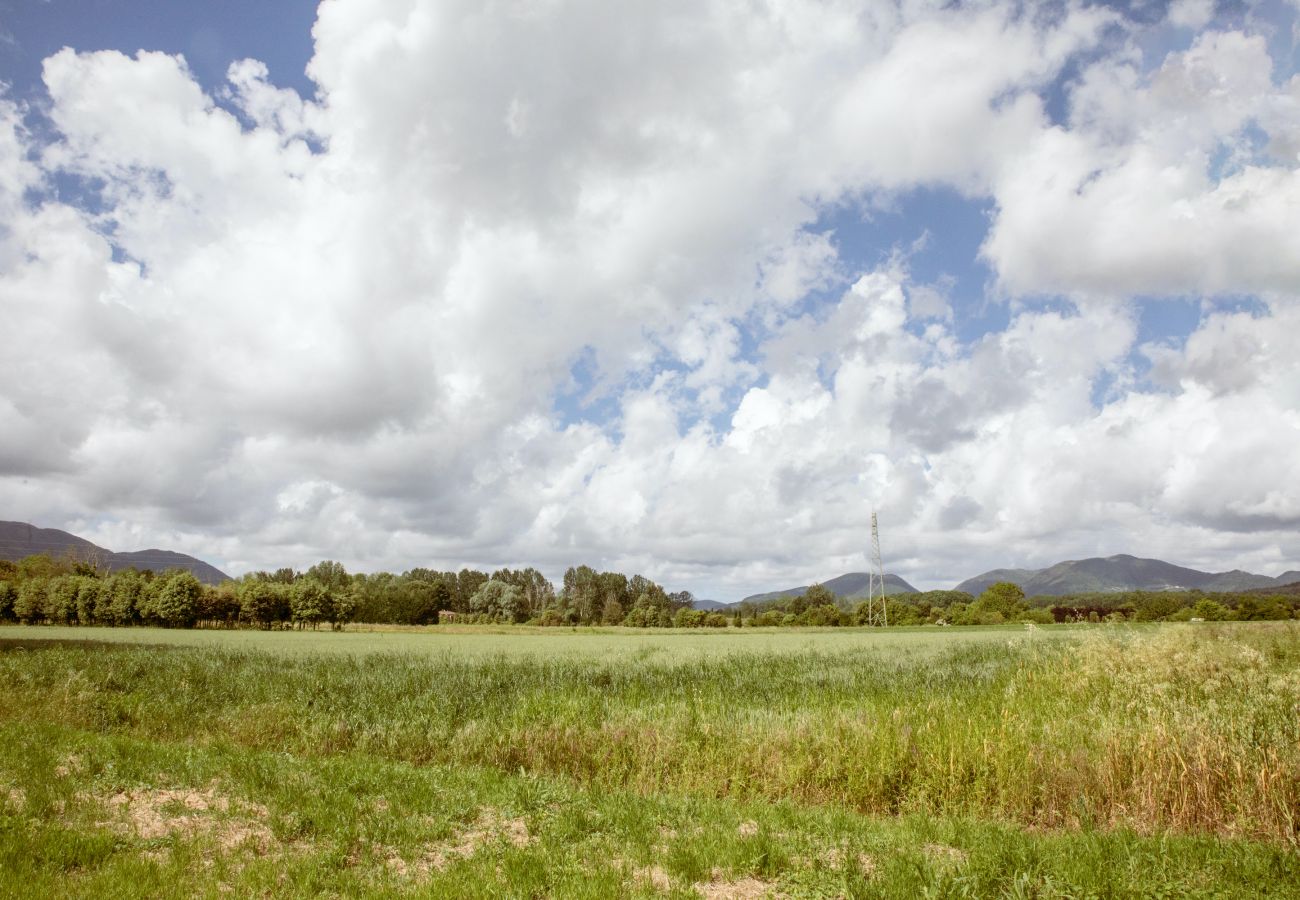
pixel 851 586
pixel 1120 573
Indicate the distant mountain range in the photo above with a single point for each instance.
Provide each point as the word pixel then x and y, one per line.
pixel 1122 573
pixel 19 539
pixel 851 586
pixel 1076 576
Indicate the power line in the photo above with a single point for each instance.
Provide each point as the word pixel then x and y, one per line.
pixel 876 612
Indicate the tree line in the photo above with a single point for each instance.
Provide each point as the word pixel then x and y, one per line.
pixel 69 591
pixel 1006 602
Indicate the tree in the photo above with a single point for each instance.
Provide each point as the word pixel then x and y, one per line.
pixel 536 592
pixel 42 565
pixel 582 592
pixel 688 618
pixel 612 614
pixel 177 603
pixel 819 595
pixel 345 608
pixel 468 581
pixel 498 600
pixel 8 594
pixel 87 598
pixel 1210 610
pixel 309 602
pixel 61 600
pixel 421 600
pixel 613 597
pixel 127 591
pixel 898 612
pixel 330 575
pixel 1000 602
pixel 220 604
pixel 261 602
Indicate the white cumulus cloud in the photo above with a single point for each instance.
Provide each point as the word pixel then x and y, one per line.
pixel 551 283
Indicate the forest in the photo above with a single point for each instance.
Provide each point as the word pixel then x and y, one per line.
pixel 68 591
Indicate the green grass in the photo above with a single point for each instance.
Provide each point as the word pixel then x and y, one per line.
pixel 1053 763
pixel 352 825
pixel 611 644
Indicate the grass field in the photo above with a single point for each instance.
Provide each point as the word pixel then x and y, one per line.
pixel 1087 762
pixel 519 640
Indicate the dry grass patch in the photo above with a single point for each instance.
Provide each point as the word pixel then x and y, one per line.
pixel 945 856
pixel 162 812
pixel 749 888
pixel 655 876
pixel 838 858
pixel 489 829
pixel 71 765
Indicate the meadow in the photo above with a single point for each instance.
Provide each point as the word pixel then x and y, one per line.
pixel 1049 762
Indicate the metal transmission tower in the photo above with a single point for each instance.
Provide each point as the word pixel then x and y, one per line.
pixel 876 614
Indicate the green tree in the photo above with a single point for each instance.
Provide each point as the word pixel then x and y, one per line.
pixel 420 600
pixel 498 600
pixel 899 612
pixel 261 602
pixel 330 574
pixel 1000 602
pixel 42 565
pixel 309 602
pixel 582 592
pixel 127 593
pixel 688 618
pixel 29 605
pixel 468 581
pixel 220 604
pixel 819 595
pixel 61 600
pixel 613 613
pixel 1210 610
pixel 8 594
pixel 87 598
pixel 345 608
pixel 177 603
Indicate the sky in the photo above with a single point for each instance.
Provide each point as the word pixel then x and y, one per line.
pixel 687 289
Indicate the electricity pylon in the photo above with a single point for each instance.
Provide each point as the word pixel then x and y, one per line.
pixel 876 613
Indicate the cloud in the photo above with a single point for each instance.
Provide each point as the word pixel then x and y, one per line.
pixel 290 329
pixel 1160 186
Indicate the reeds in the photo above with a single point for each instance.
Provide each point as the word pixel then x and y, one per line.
pixel 1190 729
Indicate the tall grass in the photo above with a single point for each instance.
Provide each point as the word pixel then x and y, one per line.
pixel 1184 729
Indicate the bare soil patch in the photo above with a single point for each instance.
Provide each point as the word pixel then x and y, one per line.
pixel 748 888
pixel 154 813
pixel 491 828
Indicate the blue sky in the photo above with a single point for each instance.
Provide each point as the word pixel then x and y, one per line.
pixel 664 294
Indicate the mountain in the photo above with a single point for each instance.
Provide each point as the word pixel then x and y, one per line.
pixel 1120 573
pixel 710 605
pixel 1288 586
pixel 19 539
pixel 852 586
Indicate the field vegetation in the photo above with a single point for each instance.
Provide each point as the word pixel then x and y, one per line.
pixel 69 591
pixel 1156 760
